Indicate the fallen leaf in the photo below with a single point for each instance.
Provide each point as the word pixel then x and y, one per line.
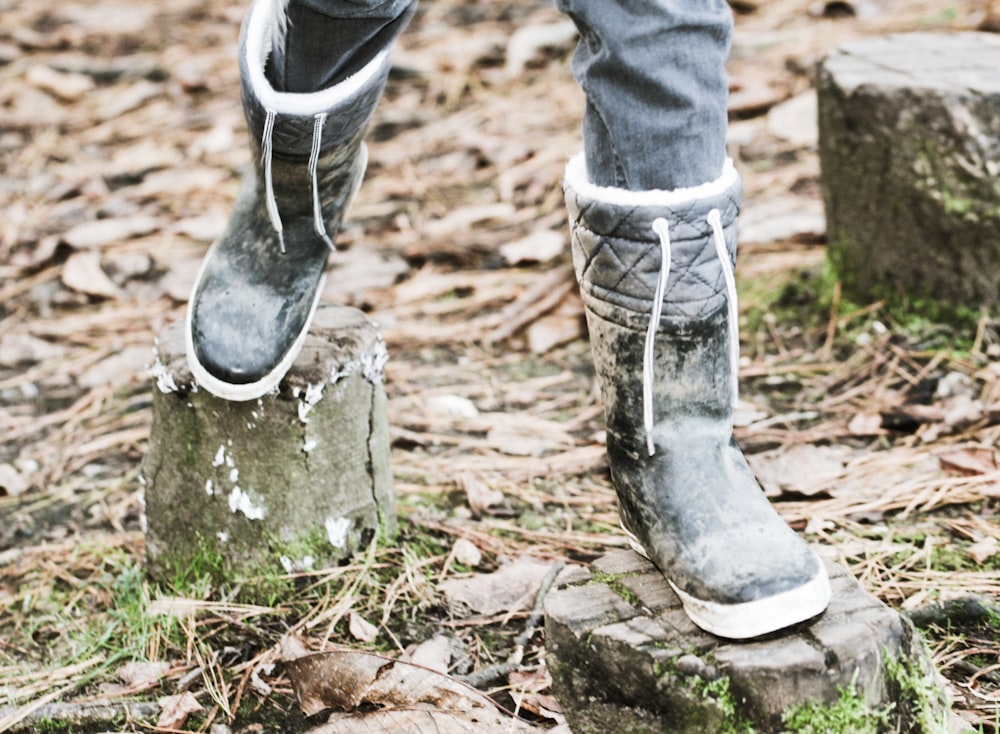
pixel 529 41
pixel 465 552
pixel 19 349
pixel 804 469
pixel 984 550
pixel 12 482
pixel 101 232
pixel 346 679
pixel 866 424
pixel 510 588
pixel 82 273
pixel 540 246
pixel 451 406
pixel 434 653
pixel 423 720
pixel 795 120
pixel 521 434
pixel 174 710
pixel 479 494
pixel 66 86
pixel 969 461
pixel 360 628
pixel 140 673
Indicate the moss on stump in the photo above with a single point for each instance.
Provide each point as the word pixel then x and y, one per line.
pixel 250 492
pixel 910 154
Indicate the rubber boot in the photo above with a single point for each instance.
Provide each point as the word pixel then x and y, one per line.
pixel 656 273
pixel 260 283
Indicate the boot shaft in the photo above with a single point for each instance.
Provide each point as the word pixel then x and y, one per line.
pixel 655 273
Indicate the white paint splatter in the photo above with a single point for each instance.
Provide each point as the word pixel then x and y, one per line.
pixel 209 487
pixel 164 378
pixel 314 393
pixel 240 501
pixel 336 531
pixel 305 563
pixel 223 536
pixel 234 475
pixel 220 456
pixel 309 445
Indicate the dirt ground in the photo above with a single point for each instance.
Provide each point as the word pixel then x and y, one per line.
pixel 121 150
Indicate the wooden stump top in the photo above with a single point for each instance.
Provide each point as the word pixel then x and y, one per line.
pixel 625 657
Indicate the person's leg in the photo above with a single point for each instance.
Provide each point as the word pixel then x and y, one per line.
pixel 322 42
pixel 653 72
pixel 653 206
pixel 260 283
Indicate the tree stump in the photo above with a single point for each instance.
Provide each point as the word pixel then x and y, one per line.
pixel 909 143
pixel 248 491
pixel 625 658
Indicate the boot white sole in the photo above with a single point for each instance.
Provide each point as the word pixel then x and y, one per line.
pixel 753 618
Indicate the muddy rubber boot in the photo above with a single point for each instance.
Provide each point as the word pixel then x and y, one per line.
pixel 655 271
pixel 260 283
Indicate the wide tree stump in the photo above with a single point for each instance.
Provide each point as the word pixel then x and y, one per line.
pixel 909 142
pixel 299 479
pixel 625 658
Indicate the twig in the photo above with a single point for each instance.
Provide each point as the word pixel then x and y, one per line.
pixel 488 675
pixel 81 715
pixel 965 610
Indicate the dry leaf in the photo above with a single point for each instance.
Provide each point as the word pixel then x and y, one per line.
pixel 465 552
pixel 12 483
pixel 422 720
pixel 361 629
pixel 142 673
pixel 19 349
pixel 522 434
pixel 969 461
pixel 540 246
pixel 174 710
pixel 804 469
pixel 82 272
pixel 481 497
pixel 983 550
pixel 101 232
pixel 434 653
pixel 67 86
pixel 510 588
pixel 346 679
pixel 866 424
pixel 795 120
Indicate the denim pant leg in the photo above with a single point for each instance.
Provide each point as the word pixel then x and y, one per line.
pixel 653 72
pixel 328 40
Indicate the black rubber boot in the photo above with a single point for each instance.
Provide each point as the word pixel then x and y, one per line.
pixel 655 271
pixel 259 285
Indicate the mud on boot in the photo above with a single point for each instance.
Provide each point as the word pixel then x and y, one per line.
pixel 656 273
pixel 260 283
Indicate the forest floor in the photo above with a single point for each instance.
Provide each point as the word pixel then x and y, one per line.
pixel 121 149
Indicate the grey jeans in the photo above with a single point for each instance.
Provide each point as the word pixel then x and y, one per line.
pixel 653 72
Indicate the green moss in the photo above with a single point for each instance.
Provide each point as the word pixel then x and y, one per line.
pixel 922 701
pixel 851 714
pixel 614 582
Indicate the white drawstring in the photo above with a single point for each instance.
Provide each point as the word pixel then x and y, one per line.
pixel 267 147
pixel 317 140
pixel 715 219
pixel 662 228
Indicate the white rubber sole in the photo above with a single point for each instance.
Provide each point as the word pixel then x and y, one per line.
pixel 753 618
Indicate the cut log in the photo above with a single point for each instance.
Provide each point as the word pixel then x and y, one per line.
pixel 624 657
pixel 910 156
pixel 295 481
